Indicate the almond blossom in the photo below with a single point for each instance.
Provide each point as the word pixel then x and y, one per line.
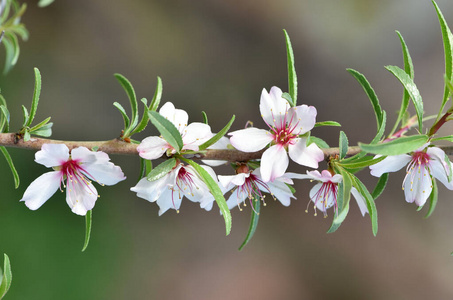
pixel 324 193
pixel 250 185
pixel 286 124
pixel 422 164
pixel 193 135
pixel 169 190
pixel 74 171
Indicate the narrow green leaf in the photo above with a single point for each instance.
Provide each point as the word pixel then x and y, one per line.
pixel 27 136
pixel 127 86
pixel 447 38
pixel 412 89
pixel 409 68
pixel 327 123
pixel 9 54
pixel 398 146
pixel 363 162
pixel 215 191
pixel 44 131
pixel 448 138
pixel 433 199
pixel 380 186
pixel 157 95
pixel 162 169
pixel 292 77
pixel 4 124
pixel 126 119
pixel 343 199
pixel 88 222
pixel 288 98
pixel 205 117
pixel 369 202
pixel 26 116
pixel 343 143
pixel 218 136
pixel 44 3
pixel 253 222
pixel 381 130
pixel 370 93
pixel 9 160
pixel 146 166
pixel 144 121
pixel 41 124
pixel 319 142
pixel 35 100
pixel 6 278
pixel 168 131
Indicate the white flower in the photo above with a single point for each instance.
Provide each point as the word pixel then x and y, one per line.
pixel 74 171
pixel 193 135
pixel 324 193
pixel 286 124
pixel 250 185
pixel 169 190
pixel 422 165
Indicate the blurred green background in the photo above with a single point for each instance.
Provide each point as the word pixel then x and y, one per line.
pixel 217 56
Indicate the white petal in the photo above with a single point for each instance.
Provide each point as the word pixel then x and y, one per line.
pixel 152 190
pixel 417 186
pixel 52 155
pixel 80 196
pixel 178 117
pixel 389 164
pixel 236 198
pixel 318 196
pixel 273 107
pixel 105 173
pixel 280 191
pixel 306 156
pixel 274 163
pixel 439 167
pixel 361 202
pixel 169 199
pixel 83 155
pixel 250 139
pixel 196 134
pixel 306 117
pixel 41 189
pixel 231 180
pixel 194 189
pixel 152 147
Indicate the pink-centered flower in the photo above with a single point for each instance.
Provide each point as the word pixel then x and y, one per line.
pixel 324 193
pixel 422 165
pixel 169 190
pixel 250 186
pixel 286 125
pixel 74 171
pixel 193 135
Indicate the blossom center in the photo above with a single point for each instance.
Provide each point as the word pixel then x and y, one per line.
pixel 418 170
pixel 251 188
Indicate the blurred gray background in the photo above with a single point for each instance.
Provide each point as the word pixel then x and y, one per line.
pixel 217 56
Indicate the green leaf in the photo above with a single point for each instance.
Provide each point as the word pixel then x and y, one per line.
pixel 253 222
pixel 371 95
pixel 288 98
pixel 380 186
pixel 162 169
pixel 292 77
pixel 343 143
pixel 26 135
pixel 362 162
pixel 168 131
pixel 127 86
pixel 205 117
pixel 6 278
pixel 146 166
pixel 319 142
pixel 412 89
pixel 40 125
pixel 448 138
pixel 9 160
pixel 35 100
pixel 381 130
pixel 327 123
pixel 433 199
pixel 126 119
pixel 447 37
pixel 45 130
pixel 4 124
pixel 88 222
pixel 144 121
pixel 157 95
pixel 218 136
pixel 409 68
pixel 215 191
pixel 397 146
pixel 44 3
pixel 26 116
pixel 369 202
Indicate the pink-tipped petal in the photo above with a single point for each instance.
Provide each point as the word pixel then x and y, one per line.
pixel 250 139
pixel 274 163
pixel 304 155
pixel 52 155
pixel 41 189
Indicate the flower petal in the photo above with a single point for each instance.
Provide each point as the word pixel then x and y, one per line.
pixel 41 189
pixel 52 155
pixel 418 185
pixel 152 190
pixel 319 197
pixel 280 191
pixel 274 163
pixel 178 117
pixel 196 134
pixel 152 147
pixel 81 197
pixel 361 203
pixel 306 118
pixel 237 197
pixel 273 107
pixel 439 166
pixel 305 155
pixel 250 139
pixel 389 164
pixel 229 181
